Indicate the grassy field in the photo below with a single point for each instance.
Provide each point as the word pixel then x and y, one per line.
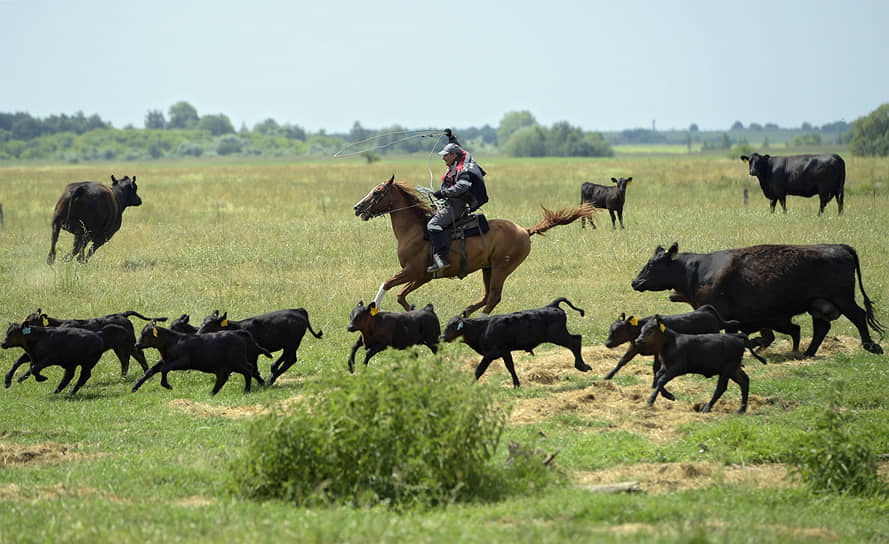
pixel 247 238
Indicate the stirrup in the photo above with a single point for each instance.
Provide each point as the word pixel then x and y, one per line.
pixel 438 263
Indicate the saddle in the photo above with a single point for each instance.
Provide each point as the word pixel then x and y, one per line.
pixel 466 226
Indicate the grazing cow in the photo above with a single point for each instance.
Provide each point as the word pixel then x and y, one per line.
pixel 608 197
pixel 92 212
pixel 380 330
pixel 219 353
pixel 764 286
pixel 626 329
pixel 66 347
pixel 706 354
pixel 800 175
pixel 124 345
pixel 498 336
pixel 278 330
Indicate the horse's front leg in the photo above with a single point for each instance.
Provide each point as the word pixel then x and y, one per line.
pixel 411 286
pixel 407 274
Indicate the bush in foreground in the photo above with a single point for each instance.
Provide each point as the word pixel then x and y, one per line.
pixel 417 434
pixel 833 459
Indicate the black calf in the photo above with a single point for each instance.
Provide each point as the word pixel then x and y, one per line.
pixel 498 336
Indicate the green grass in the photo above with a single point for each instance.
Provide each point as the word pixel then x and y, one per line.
pixel 253 237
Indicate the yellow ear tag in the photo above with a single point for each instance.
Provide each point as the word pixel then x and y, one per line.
pixel 154 331
pixel 634 321
pixel 629 183
pixel 45 321
pixel 374 310
pixel 224 323
pixel 661 327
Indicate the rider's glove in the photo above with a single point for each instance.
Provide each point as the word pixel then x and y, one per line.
pixel 438 195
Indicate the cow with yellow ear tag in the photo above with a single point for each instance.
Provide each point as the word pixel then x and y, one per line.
pixel 712 354
pixel 626 329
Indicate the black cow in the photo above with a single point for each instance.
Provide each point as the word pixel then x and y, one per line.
pixel 498 336
pixel 706 354
pixel 764 286
pixel 605 196
pixel 278 330
pixel 92 212
pixel 380 330
pixel 66 347
pixel 123 344
pixel 626 329
pixel 800 175
pixel 181 324
pixel 219 353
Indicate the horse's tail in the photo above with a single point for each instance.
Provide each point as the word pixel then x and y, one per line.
pixel 562 217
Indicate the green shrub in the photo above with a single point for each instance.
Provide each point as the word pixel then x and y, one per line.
pixel 834 460
pixel 413 435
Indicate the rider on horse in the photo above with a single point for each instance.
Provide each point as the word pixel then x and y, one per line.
pixel 462 189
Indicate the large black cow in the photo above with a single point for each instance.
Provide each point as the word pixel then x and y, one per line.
pixel 764 286
pixel 92 212
pixel 800 175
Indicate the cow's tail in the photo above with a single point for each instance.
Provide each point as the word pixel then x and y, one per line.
pixel 555 304
pixel 75 194
pixel 130 313
pixel 756 355
pixel 841 186
pixel 562 217
pixel 868 304
pixel 732 325
pixel 318 334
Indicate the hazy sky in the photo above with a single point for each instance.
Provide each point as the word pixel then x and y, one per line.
pixel 600 65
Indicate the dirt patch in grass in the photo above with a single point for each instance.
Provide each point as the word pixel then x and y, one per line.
pixel 44 453
pixel 203 409
pixel 659 478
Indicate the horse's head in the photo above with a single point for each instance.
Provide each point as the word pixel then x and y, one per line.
pixel 377 202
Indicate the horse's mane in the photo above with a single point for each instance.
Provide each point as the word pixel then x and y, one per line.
pixel 414 198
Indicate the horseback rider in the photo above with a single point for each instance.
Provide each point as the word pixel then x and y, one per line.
pixel 462 189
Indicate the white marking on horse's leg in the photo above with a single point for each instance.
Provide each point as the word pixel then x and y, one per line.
pixel 482 314
pixel 380 293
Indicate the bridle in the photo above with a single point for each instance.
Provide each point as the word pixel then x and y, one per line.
pixel 378 197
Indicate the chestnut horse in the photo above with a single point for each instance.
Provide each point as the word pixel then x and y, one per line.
pixel 498 253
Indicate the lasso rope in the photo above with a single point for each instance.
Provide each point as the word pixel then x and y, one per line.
pixel 411 134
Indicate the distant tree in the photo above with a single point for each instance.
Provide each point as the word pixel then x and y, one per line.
pixel 803 140
pixel 294 132
pixel 737 125
pixel 229 144
pixel 870 134
pixel 806 127
pixel 25 127
pixel 836 126
pixel 754 126
pixel 512 122
pixel 487 134
pixel 726 141
pixel 772 126
pixel 528 141
pixel 217 125
pixel 359 133
pixel 269 127
pixel 693 127
pixel 765 142
pixel 155 120
pixel 182 116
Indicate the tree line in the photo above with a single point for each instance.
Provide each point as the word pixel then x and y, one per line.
pixel 182 132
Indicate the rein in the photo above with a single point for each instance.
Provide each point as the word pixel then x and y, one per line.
pixel 380 196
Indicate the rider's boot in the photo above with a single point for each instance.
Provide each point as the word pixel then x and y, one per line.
pixel 440 244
